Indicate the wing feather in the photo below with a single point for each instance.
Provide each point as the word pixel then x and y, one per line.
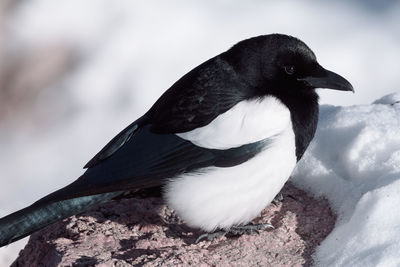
pixel 147 159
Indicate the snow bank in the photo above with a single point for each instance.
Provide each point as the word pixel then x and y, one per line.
pixel 354 161
pixel 388 99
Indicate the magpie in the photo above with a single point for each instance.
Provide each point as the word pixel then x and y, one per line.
pixel 221 141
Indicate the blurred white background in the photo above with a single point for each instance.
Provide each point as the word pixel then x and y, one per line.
pixel 74 73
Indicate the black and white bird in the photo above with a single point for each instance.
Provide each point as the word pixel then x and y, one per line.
pixel 221 141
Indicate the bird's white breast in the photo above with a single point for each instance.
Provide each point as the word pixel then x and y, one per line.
pixel 221 197
pixel 247 122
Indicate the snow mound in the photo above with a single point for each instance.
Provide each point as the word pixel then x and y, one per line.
pixel 388 99
pixel 354 161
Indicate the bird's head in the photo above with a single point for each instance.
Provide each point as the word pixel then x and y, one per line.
pixel 283 64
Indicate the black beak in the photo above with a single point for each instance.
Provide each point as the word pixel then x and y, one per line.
pixel 327 79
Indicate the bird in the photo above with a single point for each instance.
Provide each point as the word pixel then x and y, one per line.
pixel 221 141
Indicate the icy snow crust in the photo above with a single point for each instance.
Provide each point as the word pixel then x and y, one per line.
pixel 354 161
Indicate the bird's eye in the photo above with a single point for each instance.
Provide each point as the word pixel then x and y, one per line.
pixel 289 69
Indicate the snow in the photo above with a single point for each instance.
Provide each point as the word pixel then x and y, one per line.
pixel 390 99
pixel 129 52
pixel 354 161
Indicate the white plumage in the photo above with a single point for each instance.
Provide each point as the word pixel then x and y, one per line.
pixel 247 122
pixel 222 197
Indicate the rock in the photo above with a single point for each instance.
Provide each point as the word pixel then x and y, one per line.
pixel 143 231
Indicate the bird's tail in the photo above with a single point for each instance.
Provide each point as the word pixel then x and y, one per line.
pixel 40 214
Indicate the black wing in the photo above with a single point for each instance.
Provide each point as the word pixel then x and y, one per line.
pixel 147 159
pixel 193 101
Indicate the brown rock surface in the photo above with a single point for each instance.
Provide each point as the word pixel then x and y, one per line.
pixel 142 231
